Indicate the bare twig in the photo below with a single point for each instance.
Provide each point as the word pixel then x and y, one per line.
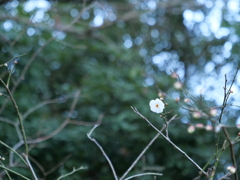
pixel 226 176
pixel 174 145
pixel 231 151
pixel 140 155
pixel 226 94
pixel 8 175
pixel 30 166
pixel 13 151
pixel 73 171
pixel 18 115
pixel 57 165
pixel 144 174
pixel 144 150
pixel 14 172
pixel 41 104
pixel 65 122
pixel 103 152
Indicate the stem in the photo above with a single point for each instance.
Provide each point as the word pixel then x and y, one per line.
pixel 13 151
pixel 217 157
pixel 18 114
pixel 30 166
pixel 9 177
pixel 140 155
pixel 73 171
pixel 14 172
pixel 165 137
pixel 231 151
pixel 100 147
pixel 144 174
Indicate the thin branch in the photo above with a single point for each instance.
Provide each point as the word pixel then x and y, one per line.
pixel 174 145
pixel 7 121
pixel 8 175
pixel 144 150
pixel 30 166
pixel 144 174
pixel 140 155
pixel 12 59
pixel 13 151
pixel 43 103
pixel 231 151
pixel 15 147
pixel 65 122
pixel 18 115
pixel 14 172
pixel 103 152
pixel 226 176
pixel 37 164
pixel 73 171
pixel 99 121
pixel 57 165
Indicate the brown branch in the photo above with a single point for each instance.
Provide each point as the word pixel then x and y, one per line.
pixel 65 122
pixel 231 151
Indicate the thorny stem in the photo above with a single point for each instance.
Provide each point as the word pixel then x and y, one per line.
pixel 174 145
pixel 18 114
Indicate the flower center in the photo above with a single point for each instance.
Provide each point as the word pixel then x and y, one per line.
pixel 156 105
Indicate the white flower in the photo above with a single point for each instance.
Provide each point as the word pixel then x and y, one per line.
pixel 156 106
pixel 231 169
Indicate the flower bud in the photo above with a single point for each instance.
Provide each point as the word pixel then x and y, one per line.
pixel 174 75
pixel 177 100
pixel 199 126
pixel 208 128
pixel 196 114
pixel 191 129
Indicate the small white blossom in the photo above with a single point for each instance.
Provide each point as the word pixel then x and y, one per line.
pixel 199 126
pixel 196 114
pixel 231 169
pixel 156 106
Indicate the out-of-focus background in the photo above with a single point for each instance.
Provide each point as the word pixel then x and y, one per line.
pixel 118 54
